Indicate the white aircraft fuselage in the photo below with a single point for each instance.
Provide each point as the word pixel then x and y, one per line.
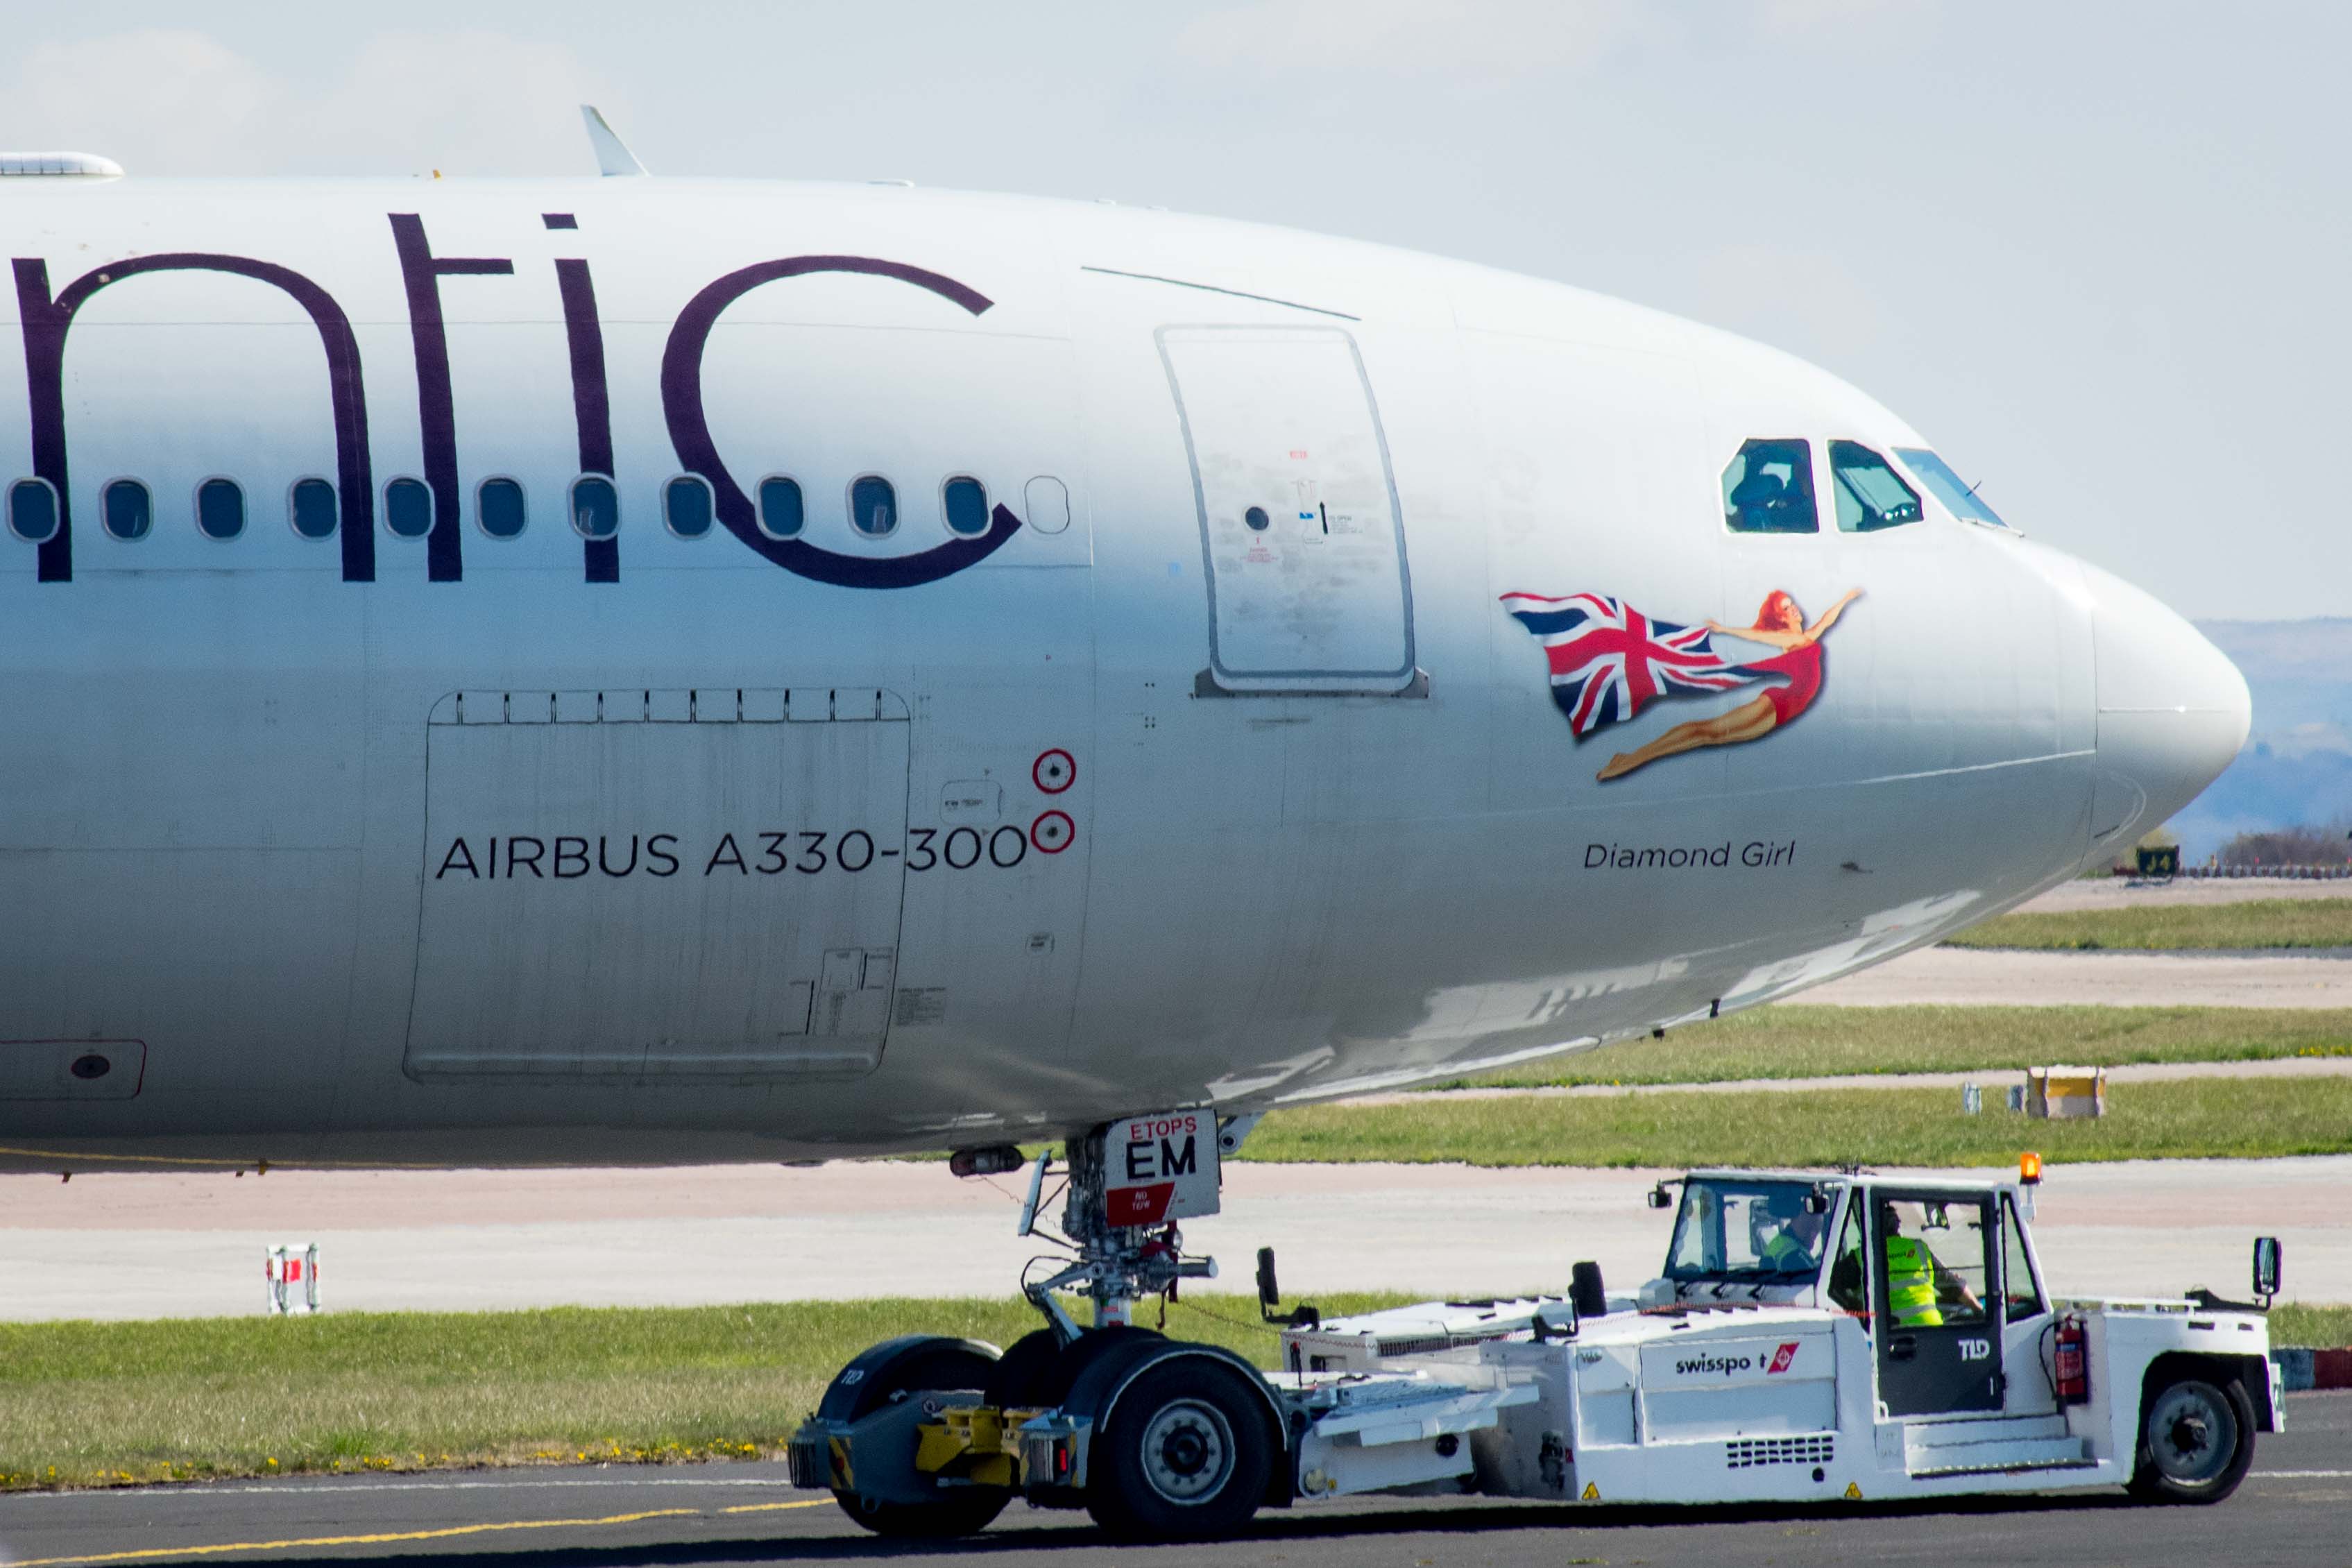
pixel 1008 664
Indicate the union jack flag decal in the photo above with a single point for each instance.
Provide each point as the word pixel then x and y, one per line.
pixel 1609 661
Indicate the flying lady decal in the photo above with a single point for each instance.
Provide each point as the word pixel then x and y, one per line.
pixel 1609 661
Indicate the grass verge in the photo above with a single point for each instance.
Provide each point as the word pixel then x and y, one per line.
pixel 2191 1119
pixel 2319 1327
pixel 1793 1040
pixel 86 1403
pixel 2255 923
pixel 110 1403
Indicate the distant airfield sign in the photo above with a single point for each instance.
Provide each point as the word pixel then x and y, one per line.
pixel 293 1273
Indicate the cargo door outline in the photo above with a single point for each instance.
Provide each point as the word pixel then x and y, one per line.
pixel 1284 419
pixel 698 929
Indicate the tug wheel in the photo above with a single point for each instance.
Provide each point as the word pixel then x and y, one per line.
pixel 2196 1442
pixel 957 1511
pixel 1037 1371
pixel 1034 1375
pixel 1186 1455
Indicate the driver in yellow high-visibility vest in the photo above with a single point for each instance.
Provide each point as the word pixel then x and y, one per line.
pixel 1795 1245
pixel 1915 1280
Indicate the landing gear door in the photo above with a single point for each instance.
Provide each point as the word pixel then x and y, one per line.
pixel 658 886
pixel 1931 1282
pixel 1302 538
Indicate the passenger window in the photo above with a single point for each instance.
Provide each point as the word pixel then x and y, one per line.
pixel 781 514
pixel 33 510
pixel 2020 1293
pixel 220 509
pixel 686 507
pixel 1870 495
pixel 498 507
pixel 874 507
pixel 1938 476
pixel 596 506
pixel 1768 489
pixel 966 500
pixel 126 510
pixel 408 509
pixel 1048 504
pixel 310 507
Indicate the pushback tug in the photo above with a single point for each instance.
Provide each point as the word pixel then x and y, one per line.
pixel 1812 1337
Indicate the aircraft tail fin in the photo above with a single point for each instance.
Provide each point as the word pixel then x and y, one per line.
pixel 612 155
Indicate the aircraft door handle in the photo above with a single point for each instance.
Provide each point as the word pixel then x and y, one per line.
pixel 1902 1347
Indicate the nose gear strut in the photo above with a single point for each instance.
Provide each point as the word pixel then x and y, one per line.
pixel 1117 1265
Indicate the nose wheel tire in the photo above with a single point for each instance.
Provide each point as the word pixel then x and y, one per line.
pixel 1186 1457
pixel 957 1511
pixel 2196 1442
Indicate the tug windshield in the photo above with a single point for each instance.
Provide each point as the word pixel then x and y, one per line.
pixel 1748 1232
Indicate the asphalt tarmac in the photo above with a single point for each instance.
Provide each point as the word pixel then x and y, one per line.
pixel 2295 1509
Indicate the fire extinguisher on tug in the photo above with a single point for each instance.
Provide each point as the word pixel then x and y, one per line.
pixel 2070 1373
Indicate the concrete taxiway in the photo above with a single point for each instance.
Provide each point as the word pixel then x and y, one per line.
pixel 2020 977
pixel 2290 1512
pixel 1992 1080
pixel 2123 893
pixel 163 1246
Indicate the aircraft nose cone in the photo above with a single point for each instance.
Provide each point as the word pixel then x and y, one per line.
pixel 2173 711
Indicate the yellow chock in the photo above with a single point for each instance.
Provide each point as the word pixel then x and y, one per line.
pixel 1591 1492
pixel 1853 1491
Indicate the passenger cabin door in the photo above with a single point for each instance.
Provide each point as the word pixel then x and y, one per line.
pixel 1301 536
pixel 1932 1282
pixel 660 886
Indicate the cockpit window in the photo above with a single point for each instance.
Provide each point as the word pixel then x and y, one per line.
pixel 1870 494
pixel 1938 476
pixel 1753 1232
pixel 1768 489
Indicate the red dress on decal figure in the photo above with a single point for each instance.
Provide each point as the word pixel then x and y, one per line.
pixel 1780 623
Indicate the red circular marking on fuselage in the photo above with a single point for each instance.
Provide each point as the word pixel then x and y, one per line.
pixel 1043 771
pixel 1038 831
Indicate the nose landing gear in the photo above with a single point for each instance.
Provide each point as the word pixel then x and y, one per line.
pixel 1157 1438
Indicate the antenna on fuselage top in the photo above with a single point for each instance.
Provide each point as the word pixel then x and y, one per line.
pixel 612 155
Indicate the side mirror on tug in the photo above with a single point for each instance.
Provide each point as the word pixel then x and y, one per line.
pixel 1269 1299
pixel 1658 1198
pixel 1818 1201
pixel 2267 1268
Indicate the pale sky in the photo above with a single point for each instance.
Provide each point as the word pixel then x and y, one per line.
pixel 2099 253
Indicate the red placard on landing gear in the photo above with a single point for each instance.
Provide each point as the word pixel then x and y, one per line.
pixel 1158 1168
